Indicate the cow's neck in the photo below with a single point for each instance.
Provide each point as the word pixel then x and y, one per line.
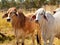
pixel 43 24
pixel 17 22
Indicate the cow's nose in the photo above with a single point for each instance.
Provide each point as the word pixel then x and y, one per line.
pixel 8 20
pixel 36 21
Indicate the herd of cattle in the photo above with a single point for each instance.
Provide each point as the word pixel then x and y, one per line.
pixel 48 23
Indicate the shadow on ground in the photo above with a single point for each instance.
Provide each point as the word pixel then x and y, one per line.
pixel 4 38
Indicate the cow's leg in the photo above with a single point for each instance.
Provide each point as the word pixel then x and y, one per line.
pixel 39 37
pixel 51 40
pixel 17 42
pixel 38 40
pixel 17 37
pixel 44 39
pixel 23 38
pixel 33 39
pixel 22 41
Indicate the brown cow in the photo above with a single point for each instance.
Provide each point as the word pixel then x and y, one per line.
pixel 22 25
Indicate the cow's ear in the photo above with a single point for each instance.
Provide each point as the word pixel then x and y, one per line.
pixel 54 12
pixel 34 17
pixel 5 15
pixel 45 17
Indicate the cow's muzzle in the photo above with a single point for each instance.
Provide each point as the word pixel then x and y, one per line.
pixel 8 20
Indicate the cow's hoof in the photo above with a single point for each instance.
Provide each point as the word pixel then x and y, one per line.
pixel 23 43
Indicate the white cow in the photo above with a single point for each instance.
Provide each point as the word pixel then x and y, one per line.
pixel 47 25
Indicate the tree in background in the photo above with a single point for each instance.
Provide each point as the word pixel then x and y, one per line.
pixel 53 2
pixel 3 4
pixel 25 3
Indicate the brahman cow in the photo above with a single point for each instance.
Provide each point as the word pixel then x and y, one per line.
pixel 49 25
pixel 22 25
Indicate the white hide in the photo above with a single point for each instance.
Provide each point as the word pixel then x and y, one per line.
pixel 57 22
pixel 39 12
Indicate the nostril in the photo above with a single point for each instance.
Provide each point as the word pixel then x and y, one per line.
pixel 8 20
pixel 36 21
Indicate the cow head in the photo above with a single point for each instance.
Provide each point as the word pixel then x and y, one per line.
pixel 10 13
pixel 39 16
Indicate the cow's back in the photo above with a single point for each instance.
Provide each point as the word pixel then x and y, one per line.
pixel 57 22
